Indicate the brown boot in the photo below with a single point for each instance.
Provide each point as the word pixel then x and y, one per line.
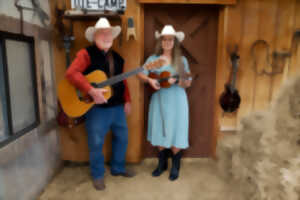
pixel 99 184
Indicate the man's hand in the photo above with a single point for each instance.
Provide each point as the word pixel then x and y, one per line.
pixel 97 95
pixel 127 108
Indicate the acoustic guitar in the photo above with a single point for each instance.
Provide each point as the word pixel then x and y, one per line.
pixel 75 103
pixel 230 99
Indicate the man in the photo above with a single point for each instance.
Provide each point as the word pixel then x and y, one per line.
pixel 106 114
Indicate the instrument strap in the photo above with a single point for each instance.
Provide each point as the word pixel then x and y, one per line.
pixel 111 64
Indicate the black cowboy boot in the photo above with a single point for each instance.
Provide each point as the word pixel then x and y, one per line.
pixel 162 163
pixel 174 173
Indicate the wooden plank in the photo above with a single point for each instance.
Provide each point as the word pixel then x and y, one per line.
pixel 132 51
pixel 294 67
pixel 217 2
pixel 284 33
pixel 246 73
pixel 297 15
pixel 266 32
pixel 232 37
pixel 91 16
pixel 73 142
pixel 219 74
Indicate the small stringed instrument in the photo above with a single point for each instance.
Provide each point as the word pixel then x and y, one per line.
pixel 164 76
pixel 75 104
pixel 230 99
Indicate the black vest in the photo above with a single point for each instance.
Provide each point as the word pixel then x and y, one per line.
pixel 99 61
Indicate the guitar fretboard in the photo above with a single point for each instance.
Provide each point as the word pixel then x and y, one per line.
pixel 118 78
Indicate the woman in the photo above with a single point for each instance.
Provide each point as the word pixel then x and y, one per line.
pixel 168 111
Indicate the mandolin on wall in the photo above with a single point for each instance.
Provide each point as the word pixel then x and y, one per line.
pixel 230 99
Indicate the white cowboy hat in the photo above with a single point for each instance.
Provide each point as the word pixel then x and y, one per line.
pixel 169 30
pixel 102 23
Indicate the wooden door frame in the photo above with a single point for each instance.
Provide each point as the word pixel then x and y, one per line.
pixel 219 54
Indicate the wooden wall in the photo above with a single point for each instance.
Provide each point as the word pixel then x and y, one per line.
pixel 274 21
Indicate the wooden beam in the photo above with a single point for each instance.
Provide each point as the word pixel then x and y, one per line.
pixel 266 32
pixel 294 68
pixel 232 31
pixel 246 74
pixel 284 33
pixel 216 2
pixel 219 68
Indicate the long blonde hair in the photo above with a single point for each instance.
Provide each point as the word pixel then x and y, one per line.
pixel 176 54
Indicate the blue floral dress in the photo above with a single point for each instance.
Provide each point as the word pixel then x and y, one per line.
pixel 168 117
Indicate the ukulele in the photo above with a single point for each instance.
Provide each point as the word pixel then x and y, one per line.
pixel 75 103
pixel 230 99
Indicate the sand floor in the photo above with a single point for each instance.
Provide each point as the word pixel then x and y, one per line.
pixel 198 179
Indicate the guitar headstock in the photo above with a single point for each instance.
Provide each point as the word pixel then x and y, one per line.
pixel 233 50
pixel 155 64
pixel 234 57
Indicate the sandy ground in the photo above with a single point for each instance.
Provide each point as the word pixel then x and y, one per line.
pixel 198 179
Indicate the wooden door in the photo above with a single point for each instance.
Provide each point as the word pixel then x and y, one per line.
pixel 199 23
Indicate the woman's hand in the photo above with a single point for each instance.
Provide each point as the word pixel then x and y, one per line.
pixel 154 83
pixel 97 95
pixel 184 83
pixel 172 80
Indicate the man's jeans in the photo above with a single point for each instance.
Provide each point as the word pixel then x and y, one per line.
pixel 98 122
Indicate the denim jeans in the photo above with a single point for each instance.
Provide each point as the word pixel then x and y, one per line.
pixel 98 122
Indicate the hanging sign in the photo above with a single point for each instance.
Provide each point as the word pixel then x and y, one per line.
pixel 99 5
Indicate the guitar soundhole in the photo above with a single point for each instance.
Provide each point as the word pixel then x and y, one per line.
pixel 87 99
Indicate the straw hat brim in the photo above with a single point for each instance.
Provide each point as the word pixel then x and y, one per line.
pixel 179 35
pixel 90 31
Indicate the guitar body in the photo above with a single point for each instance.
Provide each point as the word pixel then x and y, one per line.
pixel 230 99
pixel 71 103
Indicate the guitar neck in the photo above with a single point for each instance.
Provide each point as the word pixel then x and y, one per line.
pixel 68 60
pixel 118 78
pixel 167 78
pixel 234 77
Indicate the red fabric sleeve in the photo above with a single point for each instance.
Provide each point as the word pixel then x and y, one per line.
pixel 74 72
pixel 126 92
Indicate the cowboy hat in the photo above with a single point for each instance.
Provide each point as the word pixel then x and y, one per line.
pixel 169 30
pixel 102 23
